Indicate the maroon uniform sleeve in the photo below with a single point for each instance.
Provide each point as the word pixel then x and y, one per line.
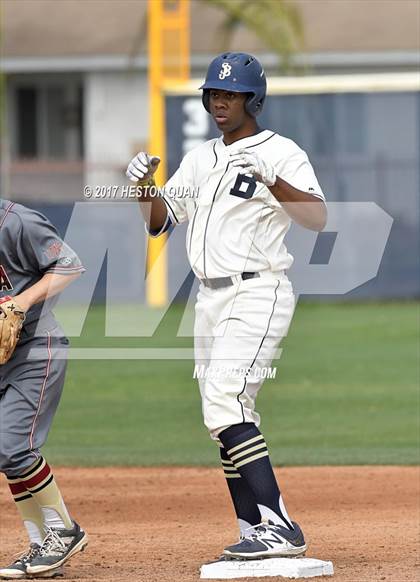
pixel 41 249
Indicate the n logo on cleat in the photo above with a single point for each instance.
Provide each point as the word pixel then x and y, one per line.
pixel 271 542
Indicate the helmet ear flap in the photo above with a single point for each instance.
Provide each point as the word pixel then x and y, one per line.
pixel 206 99
pixel 253 105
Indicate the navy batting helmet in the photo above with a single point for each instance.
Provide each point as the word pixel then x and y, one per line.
pixel 240 73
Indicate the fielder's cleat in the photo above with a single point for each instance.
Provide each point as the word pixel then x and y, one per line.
pixel 17 570
pixel 268 540
pixel 58 546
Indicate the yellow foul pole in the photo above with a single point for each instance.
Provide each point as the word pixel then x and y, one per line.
pixel 169 52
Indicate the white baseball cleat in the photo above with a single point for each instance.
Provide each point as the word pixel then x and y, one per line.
pixel 58 546
pixel 18 569
pixel 268 540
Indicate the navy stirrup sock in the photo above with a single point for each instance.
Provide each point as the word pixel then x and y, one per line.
pixel 246 448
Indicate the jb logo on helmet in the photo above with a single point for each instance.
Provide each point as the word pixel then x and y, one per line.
pixel 225 71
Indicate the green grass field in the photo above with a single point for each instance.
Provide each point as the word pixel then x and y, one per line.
pixel 346 392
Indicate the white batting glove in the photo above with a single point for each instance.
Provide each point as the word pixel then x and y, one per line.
pixel 142 167
pixel 251 163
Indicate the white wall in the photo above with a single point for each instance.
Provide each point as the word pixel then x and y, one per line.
pixel 116 123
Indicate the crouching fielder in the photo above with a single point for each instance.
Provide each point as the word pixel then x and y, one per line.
pixel 35 265
pixel 248 185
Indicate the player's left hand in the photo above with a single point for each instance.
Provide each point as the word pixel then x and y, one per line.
pixel 12 317
pixel 251 163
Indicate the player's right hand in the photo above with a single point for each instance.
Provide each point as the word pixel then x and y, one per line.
pixel 142 167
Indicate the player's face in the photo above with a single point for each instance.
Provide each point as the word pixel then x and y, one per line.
pixel 228 109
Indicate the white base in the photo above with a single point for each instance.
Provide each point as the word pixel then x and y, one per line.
pixel 285 567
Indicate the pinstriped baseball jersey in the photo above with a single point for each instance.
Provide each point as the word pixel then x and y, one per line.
pixel 235 223
pixel 30 247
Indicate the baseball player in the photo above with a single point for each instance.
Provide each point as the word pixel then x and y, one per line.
pixel 35 265
pixel 251 183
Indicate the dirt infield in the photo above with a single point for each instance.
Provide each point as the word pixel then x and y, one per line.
pixel 160 525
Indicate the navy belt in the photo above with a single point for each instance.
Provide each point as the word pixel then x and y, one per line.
pixel 220 282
